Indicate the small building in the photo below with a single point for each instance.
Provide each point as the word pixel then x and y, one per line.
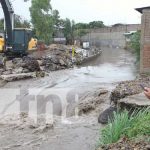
pixel 128 35
pixel 145 40
pixel 58 36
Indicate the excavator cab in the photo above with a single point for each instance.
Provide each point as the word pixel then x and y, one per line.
pixel 21 38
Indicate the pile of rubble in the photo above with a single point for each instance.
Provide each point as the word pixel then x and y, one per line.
pixel 127 95
pixel 55 57
pixel 128 88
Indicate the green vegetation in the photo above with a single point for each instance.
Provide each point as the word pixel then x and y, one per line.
pixel 18 23
pixel 42 19
pixel 90 25
pixel 135 44
pixel 138 124
pixel 21 23
pixel 1 24
pixel 68 30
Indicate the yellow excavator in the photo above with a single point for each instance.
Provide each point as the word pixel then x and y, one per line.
pixel 16 41
pixel 2 44
pixel 31 46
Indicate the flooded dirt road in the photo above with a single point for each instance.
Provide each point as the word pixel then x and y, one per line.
pixel 112 66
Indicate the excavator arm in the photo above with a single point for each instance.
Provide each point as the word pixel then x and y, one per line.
pixel 8 14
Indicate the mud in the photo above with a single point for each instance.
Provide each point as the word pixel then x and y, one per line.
pixel 92 82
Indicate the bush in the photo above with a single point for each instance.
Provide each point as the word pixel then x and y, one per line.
pixel 137 124
pixel 135 43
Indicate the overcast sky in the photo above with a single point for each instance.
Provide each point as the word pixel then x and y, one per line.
pixel 108 11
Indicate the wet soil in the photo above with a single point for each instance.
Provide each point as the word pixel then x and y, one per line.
pixel 87 82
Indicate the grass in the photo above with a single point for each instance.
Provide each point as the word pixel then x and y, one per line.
pixel 137 124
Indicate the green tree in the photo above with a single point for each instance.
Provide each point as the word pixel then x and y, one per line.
pixel 68 31
pixel 42 19
pixel 21 23
pixel 81 26
pixel 18 23
pixel 1 24
pixel 135 43
pixel 96 24
pixel 56 18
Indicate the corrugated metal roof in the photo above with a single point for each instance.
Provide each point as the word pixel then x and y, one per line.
pixel 142 8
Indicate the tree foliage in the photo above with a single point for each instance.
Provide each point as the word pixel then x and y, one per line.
pixel 1 24
pixel 42 19
pixel 135 43
pixel 96 24
pixel 68 30
pixel 81 26
pixel 18 23
pixel 56 18
pixel 90 25
pixel 21 23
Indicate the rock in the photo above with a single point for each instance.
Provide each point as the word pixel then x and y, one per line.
pixel 134 101
pixel 102 92
pixel 128 88
pixel 17 61
pixel 17 70
pixel 55 60
pixel 62 63
pixel 31 64
pixel 40 74
pixel 7 72
pixel 13 77
pixel 40 62
pixel 107 114
pixel 148 147
pixel 25 70
pixel 26 63
pixel 1 71
pixel 43 128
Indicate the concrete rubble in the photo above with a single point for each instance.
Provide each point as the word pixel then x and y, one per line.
pixel 127 95
pixel 55 57
pixel 13 77
pixel 134 101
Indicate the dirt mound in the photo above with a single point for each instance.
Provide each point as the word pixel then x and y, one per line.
pixel 126 144
pixel 127 88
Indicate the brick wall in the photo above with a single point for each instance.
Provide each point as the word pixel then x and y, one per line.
pixel 145 42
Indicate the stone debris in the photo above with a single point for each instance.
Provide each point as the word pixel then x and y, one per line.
pixel 107 114
pixel 55 57
pixel 13 77
pixel 91 102
pixel 134 101
pixel 127 95
pixel 128 88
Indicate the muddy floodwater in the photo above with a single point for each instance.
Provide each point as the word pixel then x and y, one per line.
pixel 103 72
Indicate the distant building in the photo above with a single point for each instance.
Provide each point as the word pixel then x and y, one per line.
pixel 128 35
pixel 58 36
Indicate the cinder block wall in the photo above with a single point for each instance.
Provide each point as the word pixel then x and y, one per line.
pixel 110 36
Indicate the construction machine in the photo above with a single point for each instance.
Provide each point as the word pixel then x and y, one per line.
pixel 16 40
pixel 2 44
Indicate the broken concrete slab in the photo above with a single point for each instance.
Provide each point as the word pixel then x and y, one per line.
pixel 14 77
pixel 134 101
